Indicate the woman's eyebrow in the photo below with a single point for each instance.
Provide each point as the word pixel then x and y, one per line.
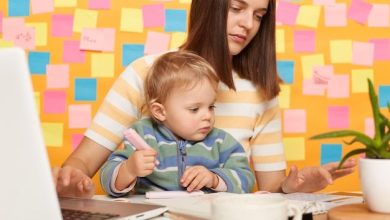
pixel 263 10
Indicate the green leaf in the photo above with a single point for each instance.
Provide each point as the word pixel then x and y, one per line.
pixel 355 152
pixel 375 111
pixel 385 141
pixel 364 139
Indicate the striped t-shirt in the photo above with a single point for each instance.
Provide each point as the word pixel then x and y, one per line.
pixel 244 113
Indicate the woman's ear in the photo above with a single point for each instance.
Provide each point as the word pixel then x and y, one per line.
pixel 158 111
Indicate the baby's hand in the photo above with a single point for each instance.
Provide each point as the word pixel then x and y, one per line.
pixel 141 163
pixel 197 177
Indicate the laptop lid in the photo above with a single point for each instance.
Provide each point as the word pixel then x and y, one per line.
pixel 26 186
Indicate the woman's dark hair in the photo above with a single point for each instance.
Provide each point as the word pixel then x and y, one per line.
pixel 207 37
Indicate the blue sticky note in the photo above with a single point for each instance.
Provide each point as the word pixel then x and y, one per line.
pixel 131 52
pixel 85 89
pixel 175 20
pixel 384 96
pixel 37 62
pixel 18 7
pixel 286 71
pixel 330 153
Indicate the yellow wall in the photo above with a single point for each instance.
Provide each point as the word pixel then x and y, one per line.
pixel 314 106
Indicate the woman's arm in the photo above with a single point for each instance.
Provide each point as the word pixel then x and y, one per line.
pixel 270 181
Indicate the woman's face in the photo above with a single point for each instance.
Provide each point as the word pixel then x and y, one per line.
pixel 243 22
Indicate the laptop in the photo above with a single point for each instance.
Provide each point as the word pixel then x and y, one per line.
pixel 27 190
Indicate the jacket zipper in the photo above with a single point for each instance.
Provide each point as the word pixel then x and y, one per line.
pixel 181 160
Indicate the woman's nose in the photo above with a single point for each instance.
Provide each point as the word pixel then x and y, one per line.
pixel 246 20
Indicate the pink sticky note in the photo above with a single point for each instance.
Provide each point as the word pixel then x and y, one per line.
pixel 54 101
pixel 323 2
pixel 156 42
pixel 362 53
pixel 294 121
pixel 1 21
pixel 99 39
pixel 381 49
pixel 287 12
pixel 24 37
pixel 76 139
pixel 338 117
pixel 312 88
pixel 57 76
pixel 369 128
pixel 379 16
pixel 338 86
pixel 61 25
pixel 322 74
pixel 153 15
pixel 42 6
pixel 9 27
pixel 72 52
pixel 359 11
pixel 304 41
pixel 335 15
pixel 99 4
pixel 79 116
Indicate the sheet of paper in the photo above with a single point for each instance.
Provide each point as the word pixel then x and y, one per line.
pixel 72 52
pixel 286 70
pixel 359 11
pixel 287 12
pixel 294 121
pixel 153 15
pixel 54 101
pixel 304 41
pixel 335 15
pixel 53 134
pixel 322 74
pixel 362 53
pixel 98 39
pixel 379 16
pixel 62 25
pixel 131 20
pixel 309 62
pixel 156 42
pixel 330 153
pixel 309 15
pixel 84 18
pixel 294 148
pixel 175 20
pixel 37 62
pixel 42 6
pixel 338 86
pixel 24 37
pixel 341 51
pixel 79 115
pixel 338 117
pixel 381 49
pixel 103 65
pixel 57 76
pixel 85 89
pixel 9 25
pixel 359 79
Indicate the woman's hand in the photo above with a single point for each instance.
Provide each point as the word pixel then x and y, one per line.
pixel 312 179
pixel 72 182
pixel 197 177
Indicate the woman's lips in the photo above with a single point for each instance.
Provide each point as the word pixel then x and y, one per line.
pixel 238 38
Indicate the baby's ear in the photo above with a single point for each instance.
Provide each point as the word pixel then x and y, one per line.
pixel 158 111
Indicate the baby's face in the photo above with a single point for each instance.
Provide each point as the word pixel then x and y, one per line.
pixel 190 112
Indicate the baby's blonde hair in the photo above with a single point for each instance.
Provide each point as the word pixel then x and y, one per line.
pixel 179 69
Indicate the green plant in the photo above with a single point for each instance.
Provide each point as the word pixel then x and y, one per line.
pixel 376 147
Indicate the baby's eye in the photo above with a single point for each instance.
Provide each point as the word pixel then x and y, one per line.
pixel 212 107
pixel 194 110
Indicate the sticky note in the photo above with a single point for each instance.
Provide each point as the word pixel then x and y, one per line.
pixel 185 1
pixel 359 11
pixel 177 39
pixel 381 49
pixel 37 62
pixel 284 96
pixel 294 148
pixel 4 43
pixel 40 29
pixel 359 79
pixel 84 18
pixel 42 6
pixel 79 116
pixel 65 3
pixel 156 42
pixel 312 88
pixel 72 52
pixel 304 41
pixel 287 12
pixel 335 15
pixel 362 53
pixel 322 74
pixel 341 51
pixel 175 20
pixel 76 139
pixel 132 52
pixel 280 40
pixel 1 21
pixel 37 99
pixel 330 153
pixel 379 16
pixel 24 37
pixel 18 7
pixel 85 89
pixel 131 20
pixel 153 15
pixel 61 25
pixel 286 70
pixel 102 65
pixel 310 61
pixel 338 86
pixel 98 39
pixel 369 127
pixel 338 117
pixel 294 120
pixel 54 101
pixel 323 2
pixel 9 26
pixel 57 76
pixel 99 4
pixel 309 15
pixel 384 95
pixel 53 134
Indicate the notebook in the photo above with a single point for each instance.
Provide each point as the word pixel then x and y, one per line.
pixel 26 186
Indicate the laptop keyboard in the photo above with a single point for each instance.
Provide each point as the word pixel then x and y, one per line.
pixel 69 214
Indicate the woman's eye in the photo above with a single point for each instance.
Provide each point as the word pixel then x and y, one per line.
pixel 235 8
pixel 258 17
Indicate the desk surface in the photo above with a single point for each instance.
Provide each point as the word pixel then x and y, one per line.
pixel 355 212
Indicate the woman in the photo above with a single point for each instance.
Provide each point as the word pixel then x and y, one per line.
pixel 237 37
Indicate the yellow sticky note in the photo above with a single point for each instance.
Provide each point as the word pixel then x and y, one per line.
pixel 341 51
pixel 177 39
pixel 294 148
pixel 359 80
pixel 310 61
pixel 280 41
pixel 284 96
pixel 185 1
pixel 131 20
pixel 309 15
pixel 102 65
pixel 37 97
pixel 40 33
pixel 65 3
pixel 84 18
pixel 4 43
pixel 53 134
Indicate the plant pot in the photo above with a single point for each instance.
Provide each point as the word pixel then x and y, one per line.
pixel 375 182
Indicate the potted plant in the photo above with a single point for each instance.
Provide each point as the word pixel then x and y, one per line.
pixel 375 167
